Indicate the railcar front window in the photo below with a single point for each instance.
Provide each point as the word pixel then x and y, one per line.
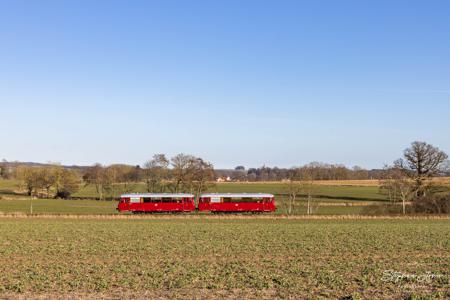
pixel 135 200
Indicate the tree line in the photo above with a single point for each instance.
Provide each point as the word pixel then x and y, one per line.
pixel 179 174
pixel 49 181
pixel 160 174
pixel 322 171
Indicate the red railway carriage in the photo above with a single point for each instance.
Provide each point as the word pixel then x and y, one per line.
pixel 237 203
pixel 146 203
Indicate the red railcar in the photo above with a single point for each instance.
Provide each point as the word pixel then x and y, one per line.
pixel 237 203
pixel 146 203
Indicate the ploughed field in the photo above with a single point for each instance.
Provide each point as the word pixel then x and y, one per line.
pixel 241 257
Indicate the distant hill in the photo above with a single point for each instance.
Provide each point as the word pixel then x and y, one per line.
pixel 35 164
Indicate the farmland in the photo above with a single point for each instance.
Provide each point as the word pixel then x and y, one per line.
pixel 337 198
pixel 333 199
pixel 206 257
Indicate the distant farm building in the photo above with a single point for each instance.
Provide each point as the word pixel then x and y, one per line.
pixel 224 179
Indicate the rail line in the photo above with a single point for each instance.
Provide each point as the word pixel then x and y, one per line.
pixel 219 217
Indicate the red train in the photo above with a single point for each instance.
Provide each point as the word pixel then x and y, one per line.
pixel 236 203
pixel 142 203
pixel 148 203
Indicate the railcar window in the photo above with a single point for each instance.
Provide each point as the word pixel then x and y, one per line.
pixel 135 200
pixel 154 199
pixel 163 200
pixel 170 200
pixel 241 199
pixel 214 200
pixel 151 200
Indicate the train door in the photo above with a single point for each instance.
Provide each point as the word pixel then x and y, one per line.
pixel 270 204
pixel 135 204
pixel 215 203
pixel 188 204
pixel 203 203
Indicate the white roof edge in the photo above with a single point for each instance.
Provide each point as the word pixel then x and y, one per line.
pixel 237 195
pixel 179 195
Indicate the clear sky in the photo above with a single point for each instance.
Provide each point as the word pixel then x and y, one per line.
pixel 235 82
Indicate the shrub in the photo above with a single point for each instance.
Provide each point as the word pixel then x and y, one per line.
pixel 433 204
pixel 64 194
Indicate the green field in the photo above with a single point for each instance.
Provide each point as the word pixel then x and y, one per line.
pixel 241 258
pixel 57 206
pixel 332 199
pixel 321 192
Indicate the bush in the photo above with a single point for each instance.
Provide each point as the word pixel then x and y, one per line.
pixel 433 204
pixel 383 209
pixel 63 194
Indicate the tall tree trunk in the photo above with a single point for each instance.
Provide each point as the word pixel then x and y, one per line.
pixel 404 203
pixel 309 204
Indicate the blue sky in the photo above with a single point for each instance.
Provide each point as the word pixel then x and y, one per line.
pixel 235 82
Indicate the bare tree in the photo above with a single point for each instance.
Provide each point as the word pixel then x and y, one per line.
pixel 181 171
pixel 202 176
pixel 48 181
pixel 156 173
pixel 446 168
pixel 67 182
pixel 29 179
pixel 421 161
pixel 307 175
pixel 300 184
pixel 294 189
pixel 47 177
pixel 399 186
pixel 387 182
pixel 405 189
pixel 101 178
pixel 359 173
pixel 119 177
pixel 191 174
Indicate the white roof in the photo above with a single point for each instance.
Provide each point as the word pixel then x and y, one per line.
pixel 158 195
pixel 240 195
